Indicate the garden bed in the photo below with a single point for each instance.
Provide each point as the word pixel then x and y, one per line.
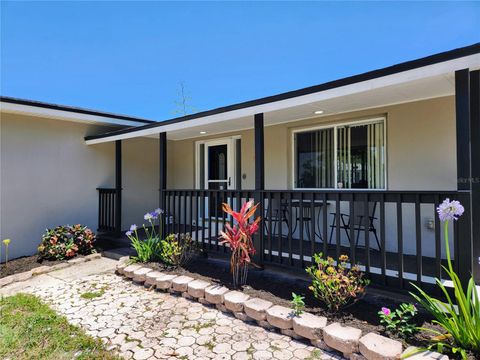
pixel 23 264
pixel 278 288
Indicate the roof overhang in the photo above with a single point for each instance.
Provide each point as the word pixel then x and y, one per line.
pixel 67 113
pixel 420 79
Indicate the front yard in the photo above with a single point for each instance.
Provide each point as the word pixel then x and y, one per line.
pixel 29 329
pixel 135 323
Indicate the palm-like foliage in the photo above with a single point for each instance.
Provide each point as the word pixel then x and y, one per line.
pixel 239 238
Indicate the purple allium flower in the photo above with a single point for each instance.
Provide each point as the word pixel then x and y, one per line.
pixel 386 311
pixel 450 210
pixel 158 211
pixel 133 227
pixel 128 233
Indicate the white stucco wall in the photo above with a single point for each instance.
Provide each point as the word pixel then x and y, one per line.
pixel 49 177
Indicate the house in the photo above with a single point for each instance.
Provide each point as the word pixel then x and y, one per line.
pixel 356 166
pixel 49 176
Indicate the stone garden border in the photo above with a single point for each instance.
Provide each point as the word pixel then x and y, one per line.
pixel 7 280
pixel 329 337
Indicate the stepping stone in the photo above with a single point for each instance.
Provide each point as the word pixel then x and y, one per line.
pixel 309 326
pixel 180 283
pixel 214 294
pixel 40 270
pixel 151 277
pixel 342 338
pixel 377 347
pixel 234 300
pixel 140 274
pixel 164 282
pixel 255 308
pixel 196 288
pixel 93 256
pixel 121 267
pixel 128 271
pixel 423 355
pixel 280 317
pixel 6 280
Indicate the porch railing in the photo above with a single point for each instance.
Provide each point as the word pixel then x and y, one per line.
pixel 108 210
pixel 394 236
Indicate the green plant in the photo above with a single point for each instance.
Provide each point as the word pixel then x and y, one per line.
pixel 239 239
pixel 399 321
pixel 177 250
pixel 460 315
pixel 6 242
pixel 298 304
pixel 336 285
pixel 150 248
pixel 64 242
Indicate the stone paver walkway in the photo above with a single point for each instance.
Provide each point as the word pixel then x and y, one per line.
pixel 147 324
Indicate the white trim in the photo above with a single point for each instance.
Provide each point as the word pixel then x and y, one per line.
pixel 231 157
pixel 64 115
pixel 471 61
pixel 335 126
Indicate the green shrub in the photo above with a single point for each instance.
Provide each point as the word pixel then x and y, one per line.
pixel 177 250
pixel 399 321
pixel 65 242
pixel 337 286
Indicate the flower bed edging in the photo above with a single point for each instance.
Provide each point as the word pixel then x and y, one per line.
pixel 23 276
pixel 345 339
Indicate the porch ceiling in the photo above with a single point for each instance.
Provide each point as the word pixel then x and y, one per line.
pixel 427 88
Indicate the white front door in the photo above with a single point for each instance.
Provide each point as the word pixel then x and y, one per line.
pixel 218 172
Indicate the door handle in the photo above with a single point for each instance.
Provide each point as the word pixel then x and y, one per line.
pixel 229 181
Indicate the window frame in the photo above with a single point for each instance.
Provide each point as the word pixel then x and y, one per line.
pixel 335 127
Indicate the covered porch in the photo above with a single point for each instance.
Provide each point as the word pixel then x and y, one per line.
pixel 356 166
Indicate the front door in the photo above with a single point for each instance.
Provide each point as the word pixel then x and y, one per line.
pixel 219 171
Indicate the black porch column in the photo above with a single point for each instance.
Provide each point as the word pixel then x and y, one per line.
pixel 259 183
pixel 464 243
pixel 475 169
pixel 118 187
pixel 163 178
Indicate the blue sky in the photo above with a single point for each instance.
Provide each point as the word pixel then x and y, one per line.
pixel 130 57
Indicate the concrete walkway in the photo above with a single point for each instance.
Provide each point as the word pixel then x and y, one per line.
pixel 145 324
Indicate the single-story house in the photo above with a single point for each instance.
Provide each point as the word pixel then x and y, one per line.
pixel 356 165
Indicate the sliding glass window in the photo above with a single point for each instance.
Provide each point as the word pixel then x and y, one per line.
pixel 355 156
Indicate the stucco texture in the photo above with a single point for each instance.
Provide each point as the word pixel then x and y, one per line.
pixel 49 177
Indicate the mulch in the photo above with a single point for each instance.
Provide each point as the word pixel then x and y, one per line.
pixel 277 288
pixel 24 264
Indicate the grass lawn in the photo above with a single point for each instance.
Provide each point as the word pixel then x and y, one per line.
pixel 29 329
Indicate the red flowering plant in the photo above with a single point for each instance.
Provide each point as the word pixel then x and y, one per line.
pixel 239 239
pixel 65 242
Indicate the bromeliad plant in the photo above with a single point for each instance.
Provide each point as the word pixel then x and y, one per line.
pixel 150 248
pixel 460 315
pixel 399 321
pixel 336 285
pixel 239 238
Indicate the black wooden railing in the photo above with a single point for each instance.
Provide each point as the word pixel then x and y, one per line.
pixel 395 236
pixel 108 210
